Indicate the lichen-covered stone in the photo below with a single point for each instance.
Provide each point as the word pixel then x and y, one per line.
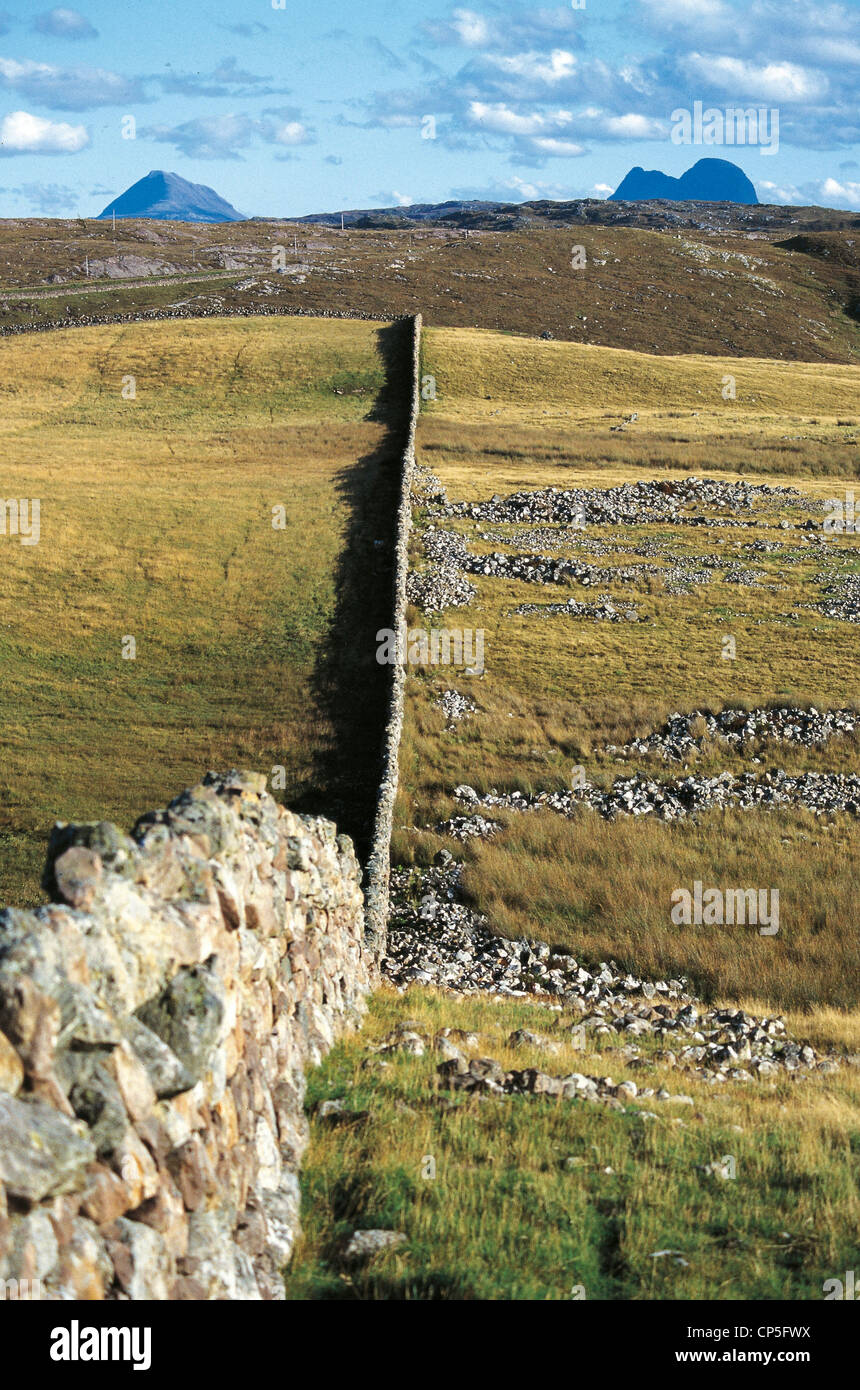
pixel 41 1151
pixel 11 1068
pixel 166 1073
pixel 187 1016
pixel 156 1027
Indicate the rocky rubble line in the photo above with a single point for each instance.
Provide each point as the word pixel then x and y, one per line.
pixel 675 798
pixel 214 308
pixel 603 611
pixel 786 723
pixel 435 939
pixel 157 1019
pixel 630 504
pixel 485 1076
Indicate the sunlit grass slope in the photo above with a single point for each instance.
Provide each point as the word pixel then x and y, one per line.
pixel 158 453
pixel 556 691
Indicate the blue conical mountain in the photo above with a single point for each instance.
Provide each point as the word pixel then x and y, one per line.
pixel 170 198
pixel 709 181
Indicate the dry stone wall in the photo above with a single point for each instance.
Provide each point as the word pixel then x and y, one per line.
pixel 156 1021
pixel 379 861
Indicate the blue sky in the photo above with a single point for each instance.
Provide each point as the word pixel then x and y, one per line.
pixel 312 107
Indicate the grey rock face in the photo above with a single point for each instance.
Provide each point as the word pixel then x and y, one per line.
pixel 187 1017
pixel 42 1153
pixel 168 1075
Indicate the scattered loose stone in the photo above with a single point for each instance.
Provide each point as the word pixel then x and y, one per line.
pixel 362 1245
pixel 811 728
pixel 455 706
pixel 436 939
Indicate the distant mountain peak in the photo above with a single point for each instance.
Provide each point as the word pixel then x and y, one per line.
pixel 708 181
pixel 167 197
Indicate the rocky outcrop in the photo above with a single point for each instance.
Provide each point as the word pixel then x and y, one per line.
pixel 156 1021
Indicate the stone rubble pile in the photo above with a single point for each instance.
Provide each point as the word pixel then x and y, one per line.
pixel 734 727
pixel 604 611
pixel 631 504
pixel 156 1020
pixel 436 939
pixel 676 798
pixel 842 599
pixel 442 583
pixel 455 706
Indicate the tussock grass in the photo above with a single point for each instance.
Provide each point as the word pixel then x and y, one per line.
pixel 482 375
pixel 604 889
pixel 535 1198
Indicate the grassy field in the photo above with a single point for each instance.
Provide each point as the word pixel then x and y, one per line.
pixel 157 523
pixel 556 691
pixel 543 1199
pixel 537 1198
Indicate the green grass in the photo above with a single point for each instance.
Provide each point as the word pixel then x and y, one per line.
pixel 507 1217
pixel 156 523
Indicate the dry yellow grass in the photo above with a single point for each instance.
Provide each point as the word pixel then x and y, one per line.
pixel 506 378
pixel 157 523
pixel 556 691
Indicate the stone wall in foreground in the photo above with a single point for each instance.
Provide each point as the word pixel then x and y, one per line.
pixel 156 1021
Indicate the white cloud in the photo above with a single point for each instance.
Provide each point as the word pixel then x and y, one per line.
pixel 292 133
pixel 839 51
pixel 222 137
pixel 472 28
pixel 759 82
pixel 634 127
pixel 74 88
pixel 826 193
pixel 22 133
pixel 499 117
pixel 402 199
pixel 538 67
pixel 843 194
pixel 544 144
pixel 64 24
